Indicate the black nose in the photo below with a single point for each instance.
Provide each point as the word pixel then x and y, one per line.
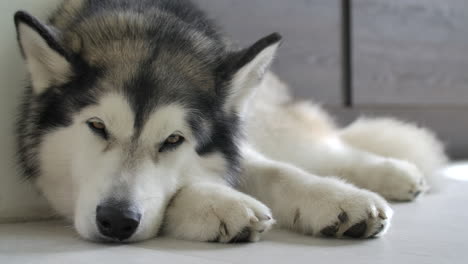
pixel 116 222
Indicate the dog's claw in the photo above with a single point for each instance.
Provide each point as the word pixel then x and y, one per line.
pixel 254 220
pixel 382 215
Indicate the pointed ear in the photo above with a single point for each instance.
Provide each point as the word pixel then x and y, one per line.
pixel 248 69
pixel 46 60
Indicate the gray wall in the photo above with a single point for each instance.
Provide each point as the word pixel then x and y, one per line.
pixel 410 52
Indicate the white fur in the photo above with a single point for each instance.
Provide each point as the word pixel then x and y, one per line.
pixel 215 212
pixel 307 138
pixel 393 138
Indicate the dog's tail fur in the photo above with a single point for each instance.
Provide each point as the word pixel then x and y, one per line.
pixel 397 139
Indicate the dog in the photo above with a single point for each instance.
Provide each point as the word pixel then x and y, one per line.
pixel 141 119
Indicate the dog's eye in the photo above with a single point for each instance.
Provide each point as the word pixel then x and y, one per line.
pixel 98 127
pixel 172 142
pixel 174 139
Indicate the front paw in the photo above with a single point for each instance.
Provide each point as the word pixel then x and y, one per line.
pixel 217 214
pixel 361 215
pixel 345 212
pixel 241 221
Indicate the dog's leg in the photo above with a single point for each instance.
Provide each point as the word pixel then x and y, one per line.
pixel 394 179
pixel 311 204
pixel 216 213
pixel 384 155
pixel 397 139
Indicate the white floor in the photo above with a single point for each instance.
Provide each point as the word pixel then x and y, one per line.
pixel 430 230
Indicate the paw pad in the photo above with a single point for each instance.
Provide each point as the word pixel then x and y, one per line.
pixel 356 231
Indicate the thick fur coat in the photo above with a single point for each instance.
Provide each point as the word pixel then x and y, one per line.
pixel 142 119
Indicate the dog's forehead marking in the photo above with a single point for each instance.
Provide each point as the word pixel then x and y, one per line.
pixel 162 122
pixel 118 115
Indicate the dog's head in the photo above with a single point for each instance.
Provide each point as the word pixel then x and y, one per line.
pixel 127 117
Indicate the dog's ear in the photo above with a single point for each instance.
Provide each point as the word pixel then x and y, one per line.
pixel 247 69
pixel 46 60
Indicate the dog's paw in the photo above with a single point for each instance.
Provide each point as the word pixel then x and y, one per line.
pixel 400 180
pixel 217 214
pixel 361 214
pixel 241 220
pixel 339 210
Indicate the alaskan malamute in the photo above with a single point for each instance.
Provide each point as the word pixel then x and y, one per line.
pixel 140 119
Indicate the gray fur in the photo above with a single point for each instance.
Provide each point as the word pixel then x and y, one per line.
pixel 153 51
